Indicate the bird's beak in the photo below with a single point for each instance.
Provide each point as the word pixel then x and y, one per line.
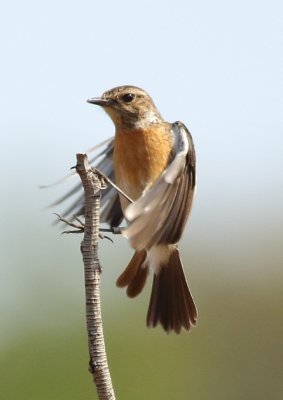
pixel 99 101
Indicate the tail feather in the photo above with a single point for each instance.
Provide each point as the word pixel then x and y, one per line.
pixel 135 275
pixel 171 303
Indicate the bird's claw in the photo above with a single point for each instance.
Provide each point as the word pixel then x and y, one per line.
pixel 101 236
pixel 79 227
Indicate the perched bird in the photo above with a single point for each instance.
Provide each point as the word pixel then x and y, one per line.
pixel 154 163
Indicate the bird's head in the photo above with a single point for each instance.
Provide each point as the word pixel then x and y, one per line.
pixel 129 107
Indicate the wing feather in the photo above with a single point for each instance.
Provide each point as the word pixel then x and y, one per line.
pixel 111 212
pixel 160 214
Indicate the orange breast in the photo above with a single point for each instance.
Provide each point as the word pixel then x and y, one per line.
pixel 140 156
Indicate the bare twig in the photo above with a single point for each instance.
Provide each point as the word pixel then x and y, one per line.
pixel 98 367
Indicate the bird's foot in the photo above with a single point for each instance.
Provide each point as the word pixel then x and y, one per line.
pixel 80 227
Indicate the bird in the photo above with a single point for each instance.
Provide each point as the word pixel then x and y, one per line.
pixel 154 163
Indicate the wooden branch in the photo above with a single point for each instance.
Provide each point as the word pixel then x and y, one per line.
pixel 98 366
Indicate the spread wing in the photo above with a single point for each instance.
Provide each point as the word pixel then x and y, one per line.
pixel 111 212
pixel 159 216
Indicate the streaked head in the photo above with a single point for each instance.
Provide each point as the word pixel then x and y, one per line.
pixel 129 107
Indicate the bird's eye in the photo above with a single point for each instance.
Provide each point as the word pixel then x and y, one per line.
pixel 128 97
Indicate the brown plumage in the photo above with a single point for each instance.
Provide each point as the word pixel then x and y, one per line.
pixel 154 164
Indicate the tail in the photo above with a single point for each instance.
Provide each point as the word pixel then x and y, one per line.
pixel 134 276
pixel 171 303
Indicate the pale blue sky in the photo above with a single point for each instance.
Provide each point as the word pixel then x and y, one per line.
pixel 215 65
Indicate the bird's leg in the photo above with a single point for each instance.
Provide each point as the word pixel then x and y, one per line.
pixel 108 180
pixel 80 227
pixel 115 230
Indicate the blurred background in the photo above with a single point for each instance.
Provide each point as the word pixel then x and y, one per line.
pixel 216 67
